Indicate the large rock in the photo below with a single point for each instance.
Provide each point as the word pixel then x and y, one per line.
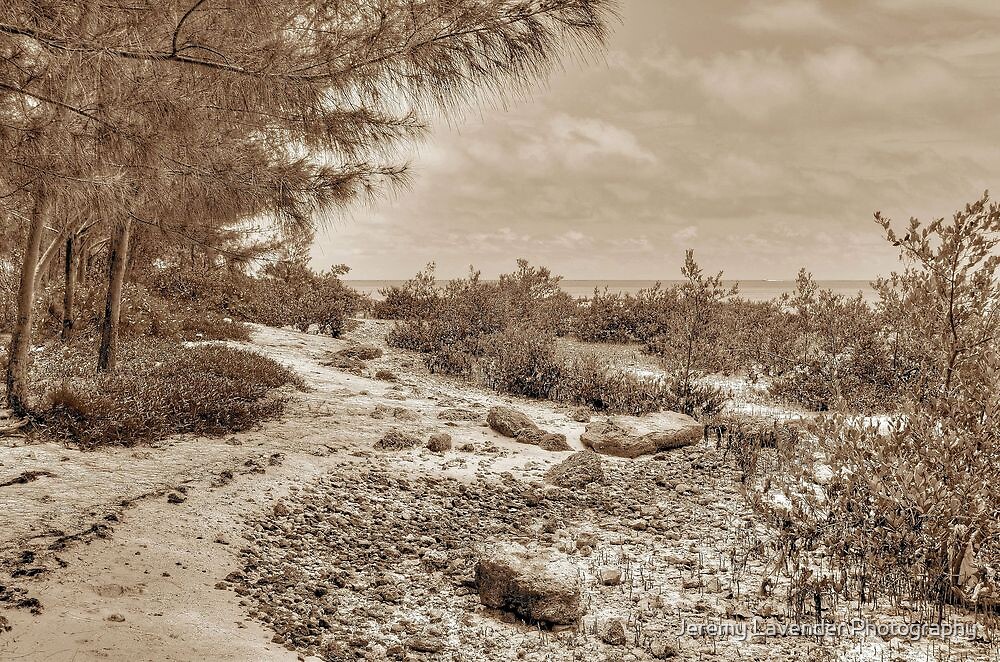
pixel 537 586
pixel 550 441
pixel 652 434
pixel 509 422
pixel 577 471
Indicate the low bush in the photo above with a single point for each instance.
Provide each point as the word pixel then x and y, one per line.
pixel 905 507
pixel 159 389
pixel 521 361
pixel 285 294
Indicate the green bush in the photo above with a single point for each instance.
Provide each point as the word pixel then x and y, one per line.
pixel 159 389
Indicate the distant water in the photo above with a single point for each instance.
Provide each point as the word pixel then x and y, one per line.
pixel 754 290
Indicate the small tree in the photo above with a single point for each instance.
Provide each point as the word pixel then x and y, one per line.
pixel 691 342
pixel 915 498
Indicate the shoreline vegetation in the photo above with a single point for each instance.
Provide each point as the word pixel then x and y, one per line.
pixel 815 401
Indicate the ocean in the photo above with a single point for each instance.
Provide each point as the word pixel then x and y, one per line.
pixel 754 290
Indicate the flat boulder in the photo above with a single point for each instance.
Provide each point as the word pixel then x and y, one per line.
pixel 630 436
pixel 509 422
pixel 536 586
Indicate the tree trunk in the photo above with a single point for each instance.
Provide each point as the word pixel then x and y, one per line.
pixel 43 268
pixel 82 259
pixel 118 261
pixel 20 342
pixel 69 293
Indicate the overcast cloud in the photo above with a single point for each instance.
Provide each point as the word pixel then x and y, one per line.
pixel 763 135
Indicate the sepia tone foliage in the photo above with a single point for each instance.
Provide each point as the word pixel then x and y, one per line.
pixel 189 117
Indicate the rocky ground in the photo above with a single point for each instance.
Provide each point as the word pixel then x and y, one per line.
pixel 336 533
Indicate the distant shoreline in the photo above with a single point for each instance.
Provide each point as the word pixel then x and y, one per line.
pixel 754 290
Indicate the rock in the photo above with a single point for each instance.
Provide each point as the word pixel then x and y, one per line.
pixel 578 470
pixel 549 441
pixel 404 414
pixel 614 437
pixel 610 576
pixel 439 442
pixel 454 414
pixel 536 585
pixel 611 629
pixel 426 644
pixel 509 422
pixel 662 649
pixel 580 415
pixel 115 618
pixel 280 509
pixel 397 440
pixel 586 539
pixel 174 497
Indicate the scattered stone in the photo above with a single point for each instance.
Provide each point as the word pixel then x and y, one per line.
pixel 549 441
pixel 578 470
pixel 615 437
pixel 27 477
pixel 439 442
pixel 610 576
pixel 535 585
pixel 580 415
pixel 397 440
pixel 611 629
pixel 509 422
pixel 404 414
pixel 426 644
pixel 662 649
pixel 281 510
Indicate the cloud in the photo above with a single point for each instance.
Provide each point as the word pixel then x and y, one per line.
pixel 796 16
pixel 763 138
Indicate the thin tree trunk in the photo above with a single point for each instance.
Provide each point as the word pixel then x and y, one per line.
pixel 118 260
pixel 43 267
pixel 82 259
pixel 69 293
pixel 20 342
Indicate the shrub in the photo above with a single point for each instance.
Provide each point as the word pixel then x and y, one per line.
pixel 521 361
pixel 285 294
pixel 908 508
pixel 587 381
pixel 159 389
pixel 416 299
pixel 839 356
pixel 616 317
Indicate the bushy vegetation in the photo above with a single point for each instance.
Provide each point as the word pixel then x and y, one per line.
pixel 162 388
pixel 283 294
pixel 906 507
pixel 503 334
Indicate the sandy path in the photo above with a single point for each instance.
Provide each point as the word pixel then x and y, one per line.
pixel 133 575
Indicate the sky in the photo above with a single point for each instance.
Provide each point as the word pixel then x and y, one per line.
pixel 763 135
